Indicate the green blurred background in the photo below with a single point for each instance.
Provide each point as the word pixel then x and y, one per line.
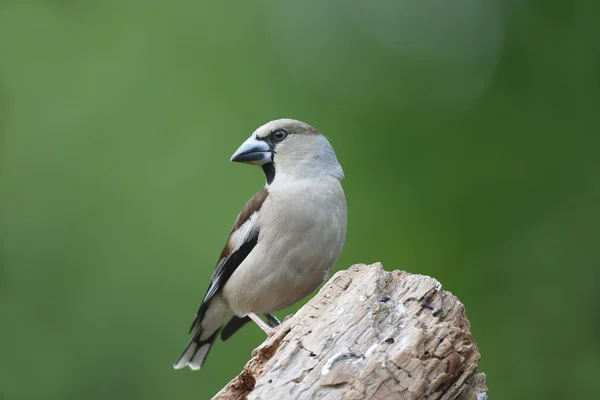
pixel 469 132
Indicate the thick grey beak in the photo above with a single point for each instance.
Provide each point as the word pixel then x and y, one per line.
pixel 253 151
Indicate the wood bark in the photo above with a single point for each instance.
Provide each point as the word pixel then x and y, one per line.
pixel 368 334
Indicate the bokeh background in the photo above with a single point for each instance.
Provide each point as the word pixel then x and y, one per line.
pixel 469 131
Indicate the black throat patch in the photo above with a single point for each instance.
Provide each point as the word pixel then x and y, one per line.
pixel 269 170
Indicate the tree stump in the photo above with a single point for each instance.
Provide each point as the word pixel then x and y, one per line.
pixel 368 334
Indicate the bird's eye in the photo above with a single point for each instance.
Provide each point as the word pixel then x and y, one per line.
pixel 279 135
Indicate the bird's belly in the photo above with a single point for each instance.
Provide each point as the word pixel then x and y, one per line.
pixel 287 264
pixel 302 271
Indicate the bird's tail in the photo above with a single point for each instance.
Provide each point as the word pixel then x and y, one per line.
pixel 196 351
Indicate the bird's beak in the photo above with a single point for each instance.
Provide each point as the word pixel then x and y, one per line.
pixel 253 151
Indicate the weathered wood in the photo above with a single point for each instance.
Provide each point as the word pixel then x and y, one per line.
pixel 367 335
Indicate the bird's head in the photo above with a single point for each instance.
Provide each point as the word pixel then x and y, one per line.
pixel 287 147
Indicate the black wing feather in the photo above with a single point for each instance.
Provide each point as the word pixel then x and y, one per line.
pixel 222 273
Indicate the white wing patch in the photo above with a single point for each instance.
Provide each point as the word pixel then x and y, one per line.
pixel 239 237
pixel 236 240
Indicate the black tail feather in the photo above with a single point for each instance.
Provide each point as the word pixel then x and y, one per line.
pixel 234 324
pixel 196 352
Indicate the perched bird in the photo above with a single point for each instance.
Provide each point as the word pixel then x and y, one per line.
pixel 283 243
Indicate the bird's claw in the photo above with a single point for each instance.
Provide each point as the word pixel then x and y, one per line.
pixel 257 350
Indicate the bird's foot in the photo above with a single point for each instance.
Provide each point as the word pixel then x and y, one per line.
pixel 269 327
pixel 258 349
pixel 266 327
pixel 272 331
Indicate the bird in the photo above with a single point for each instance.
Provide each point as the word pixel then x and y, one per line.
pixel 284 242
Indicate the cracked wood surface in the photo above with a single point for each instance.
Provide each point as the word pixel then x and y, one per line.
pixel 367 335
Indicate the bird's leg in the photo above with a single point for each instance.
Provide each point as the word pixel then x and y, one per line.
pixel 270 331
pixel 271 327
pixel 272 320
pixel 267 327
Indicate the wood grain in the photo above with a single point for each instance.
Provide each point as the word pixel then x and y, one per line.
pixel 367 335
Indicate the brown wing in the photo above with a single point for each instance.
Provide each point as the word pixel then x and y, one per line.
pixel 242 239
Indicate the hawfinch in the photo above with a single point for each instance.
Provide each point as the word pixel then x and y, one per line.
pixel 284 242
